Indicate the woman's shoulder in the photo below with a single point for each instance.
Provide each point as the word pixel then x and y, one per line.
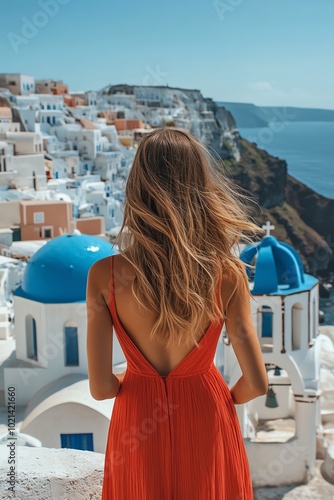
pixel 103 269
pixel 233 282
pixel 101 266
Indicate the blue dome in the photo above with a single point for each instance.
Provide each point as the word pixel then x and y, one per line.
pixel 57 272
pixel 278 268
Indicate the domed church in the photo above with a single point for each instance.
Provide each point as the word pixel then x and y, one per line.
pixel 280 428
pixel 50 369
pixel 50 312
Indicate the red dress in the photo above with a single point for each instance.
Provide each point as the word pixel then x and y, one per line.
pixel 176 437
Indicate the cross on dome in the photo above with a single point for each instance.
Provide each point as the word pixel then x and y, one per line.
pixel 267 226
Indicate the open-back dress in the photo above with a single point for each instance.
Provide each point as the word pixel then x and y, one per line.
pixel 174 437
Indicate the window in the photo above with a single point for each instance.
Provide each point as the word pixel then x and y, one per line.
pixel 31 337
pixel 71 345
pixel 266 321
pixel 47 231
pixel 38 217
pixel 296 325
pixel 77 441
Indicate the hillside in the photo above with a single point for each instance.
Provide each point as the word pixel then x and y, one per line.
pixel 248 115
pixel 298 213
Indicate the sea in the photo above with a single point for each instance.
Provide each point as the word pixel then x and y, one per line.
pixel 308 149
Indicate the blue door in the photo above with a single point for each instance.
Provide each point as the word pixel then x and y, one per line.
pixel 71 346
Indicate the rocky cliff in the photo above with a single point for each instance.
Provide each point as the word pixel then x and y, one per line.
pixel 316 210
pixel 301 217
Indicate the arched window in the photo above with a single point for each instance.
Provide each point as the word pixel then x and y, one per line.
pixel 71 345
pixel 31 337
pixel 266 321
pixel 296 325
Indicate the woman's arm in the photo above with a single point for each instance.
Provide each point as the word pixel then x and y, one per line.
pixel 246 345
pixel 103 384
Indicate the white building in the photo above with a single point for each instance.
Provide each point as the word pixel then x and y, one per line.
pixel 83 112
pixel 7 174
pixel 88 142
pixel 30 172
pixel 285 314
pixel 107 164
pixel 102 202
pixel 17 83
pixel 10 277
pixel 111 133
pixel 22 161
pixel 25 102
pixel 50 312
pixel 49 370
pixel 77 419
pixel 49 101
pixel 91 97
pixel 8 127
pixel 49 118
pixel 25 143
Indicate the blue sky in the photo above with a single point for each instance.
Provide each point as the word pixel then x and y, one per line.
pixel 268 52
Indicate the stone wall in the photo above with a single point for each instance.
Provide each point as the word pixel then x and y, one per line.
pixel 49 473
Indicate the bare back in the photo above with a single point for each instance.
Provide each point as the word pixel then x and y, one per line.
pixel 138 322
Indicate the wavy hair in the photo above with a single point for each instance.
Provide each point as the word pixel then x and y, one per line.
pixel 182 220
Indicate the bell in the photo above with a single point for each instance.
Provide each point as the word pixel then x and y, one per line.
pixel 271 400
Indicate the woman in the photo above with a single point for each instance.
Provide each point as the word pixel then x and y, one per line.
pixel 174 431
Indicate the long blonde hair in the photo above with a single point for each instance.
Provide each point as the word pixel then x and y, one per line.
pixel 182 220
